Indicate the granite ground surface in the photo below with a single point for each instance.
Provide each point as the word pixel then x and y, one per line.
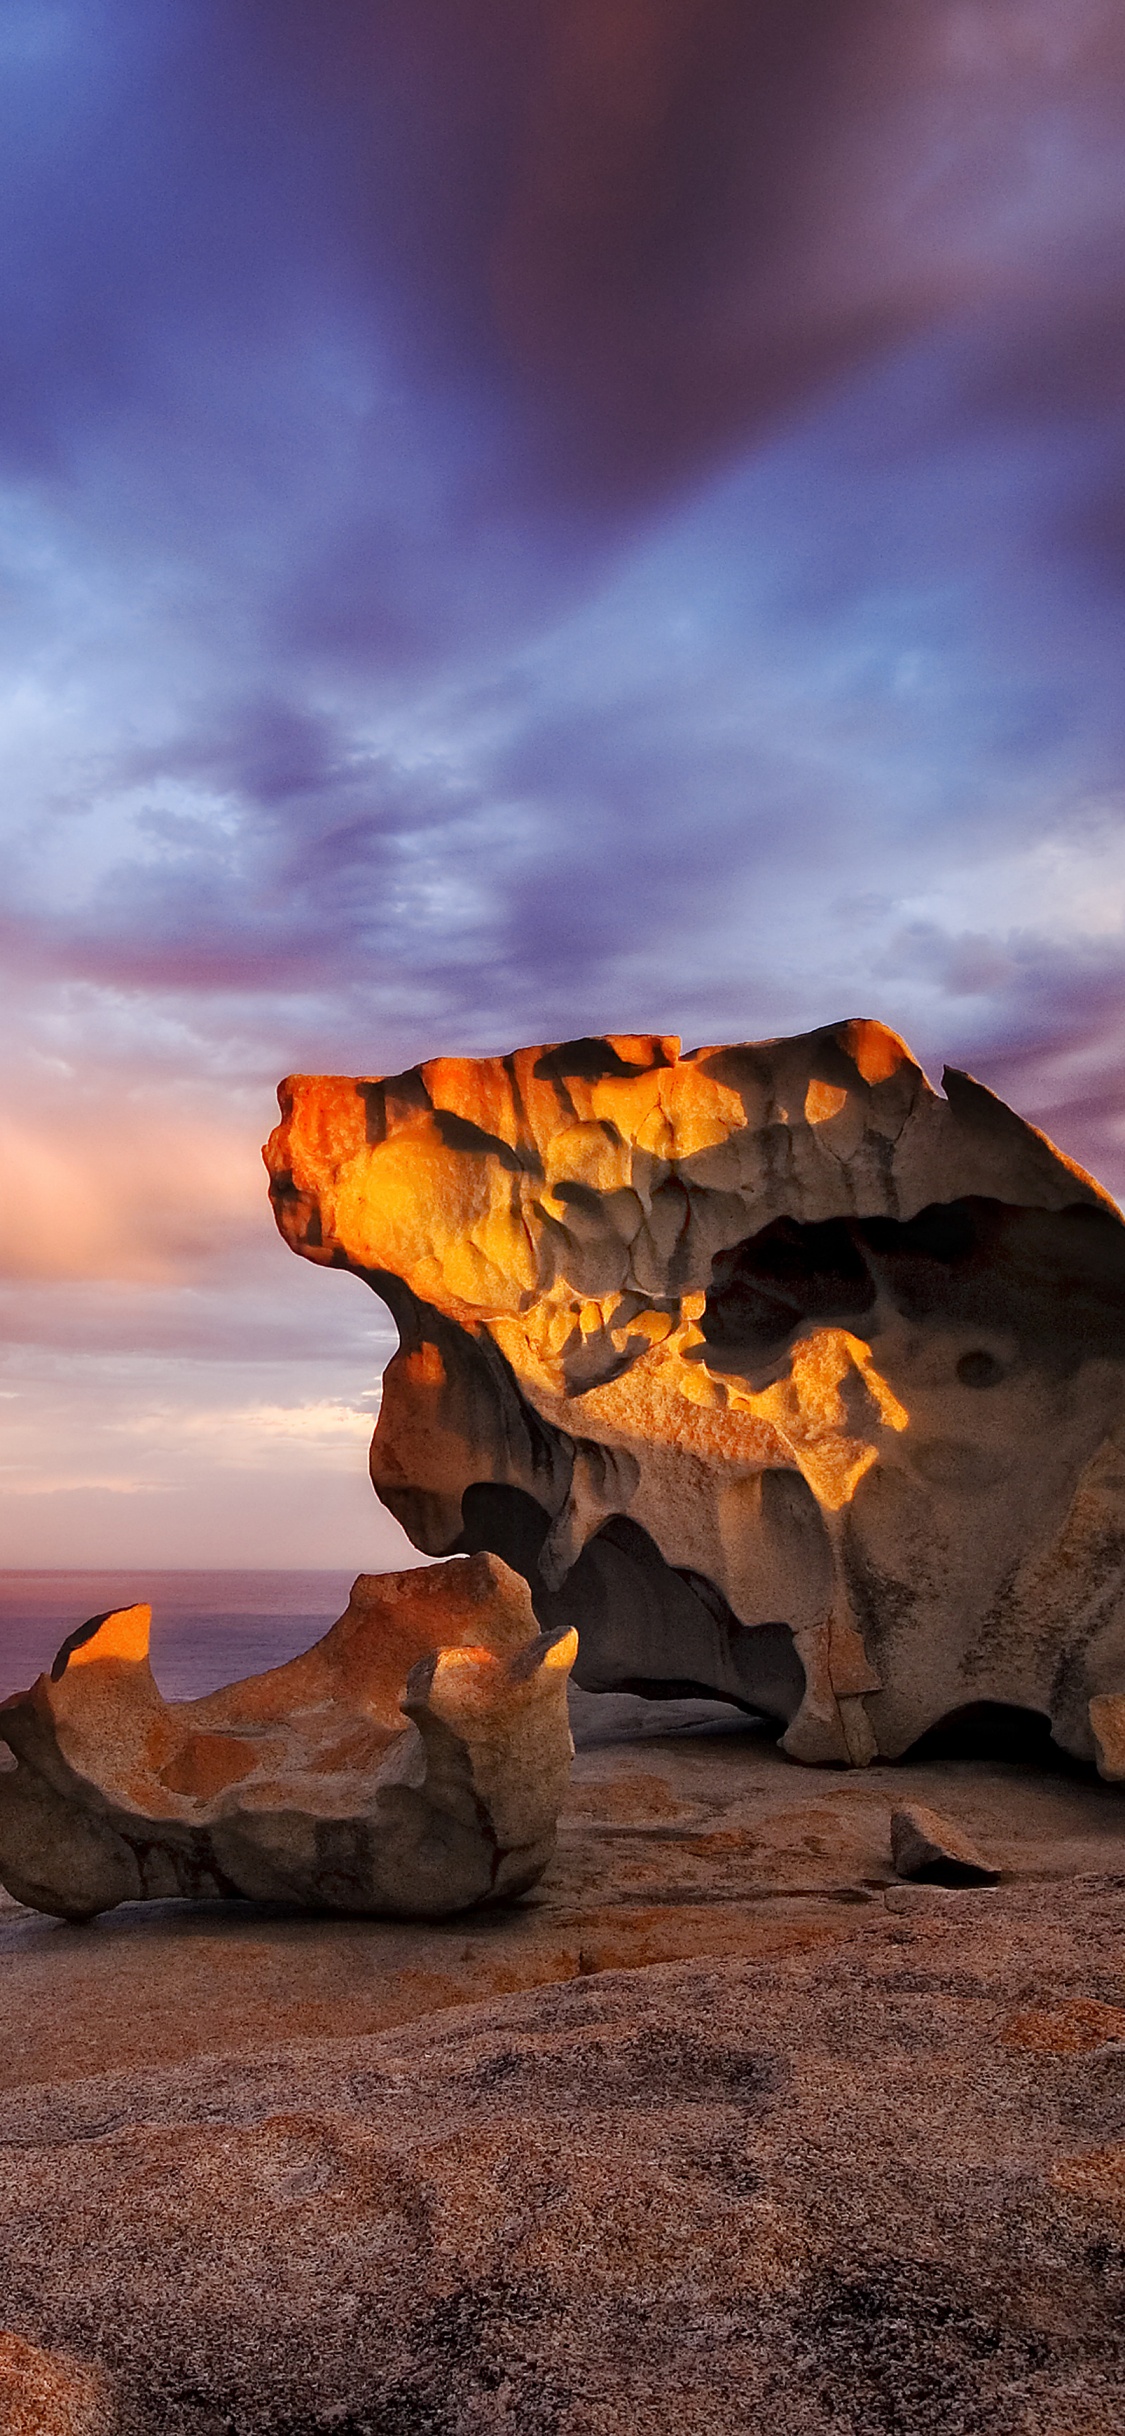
pixel 722 2127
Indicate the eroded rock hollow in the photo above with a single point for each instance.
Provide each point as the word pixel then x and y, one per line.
pixel 777 1373
pixel 412 1762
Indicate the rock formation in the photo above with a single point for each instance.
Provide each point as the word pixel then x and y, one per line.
pixel 778 1374
pixel 302 1784
pixel 926 1846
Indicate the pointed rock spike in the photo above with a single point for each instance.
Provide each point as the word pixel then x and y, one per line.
pixel 121 1632
pixel 555 1651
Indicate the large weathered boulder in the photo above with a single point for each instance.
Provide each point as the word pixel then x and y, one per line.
pixel 412 1762
pixel 778 1374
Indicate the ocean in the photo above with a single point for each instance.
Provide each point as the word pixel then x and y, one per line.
pixel 207 1628
pixel 213 1628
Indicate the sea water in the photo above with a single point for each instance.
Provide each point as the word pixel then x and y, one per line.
pixel 214 1628
pixel 207 1628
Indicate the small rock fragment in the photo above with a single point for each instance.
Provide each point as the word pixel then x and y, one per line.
pixel 1107 1719
pixel 924 1845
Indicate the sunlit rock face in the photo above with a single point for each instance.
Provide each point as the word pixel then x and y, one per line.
pixel 779 1374
pixel 412 1762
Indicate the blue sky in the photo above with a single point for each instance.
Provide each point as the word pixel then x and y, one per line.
pixel 517 517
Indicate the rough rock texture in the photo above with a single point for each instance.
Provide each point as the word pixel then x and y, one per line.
pixel 778 1374
pixel 843 2193
pixel 925 1845
pixel 847 2161
pixel 303 1783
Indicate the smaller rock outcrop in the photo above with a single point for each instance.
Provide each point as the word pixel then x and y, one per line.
pixel 925 1845
pixel 412 1762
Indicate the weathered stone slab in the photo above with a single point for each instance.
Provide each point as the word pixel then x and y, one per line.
pixel 925 1845
pixel 778 1374
pixel 412 1762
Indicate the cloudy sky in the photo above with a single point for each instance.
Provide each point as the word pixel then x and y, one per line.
pixel 518 517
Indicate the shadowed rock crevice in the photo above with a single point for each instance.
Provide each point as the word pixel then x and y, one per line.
pixel 1054 1281
pixel 637 1616
pixel 990 1729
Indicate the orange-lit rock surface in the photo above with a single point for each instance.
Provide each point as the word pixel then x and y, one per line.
pixel 43 2395
pixel 412 1762
pixel 778 1374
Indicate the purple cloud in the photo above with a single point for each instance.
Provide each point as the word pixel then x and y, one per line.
pixel 526 519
